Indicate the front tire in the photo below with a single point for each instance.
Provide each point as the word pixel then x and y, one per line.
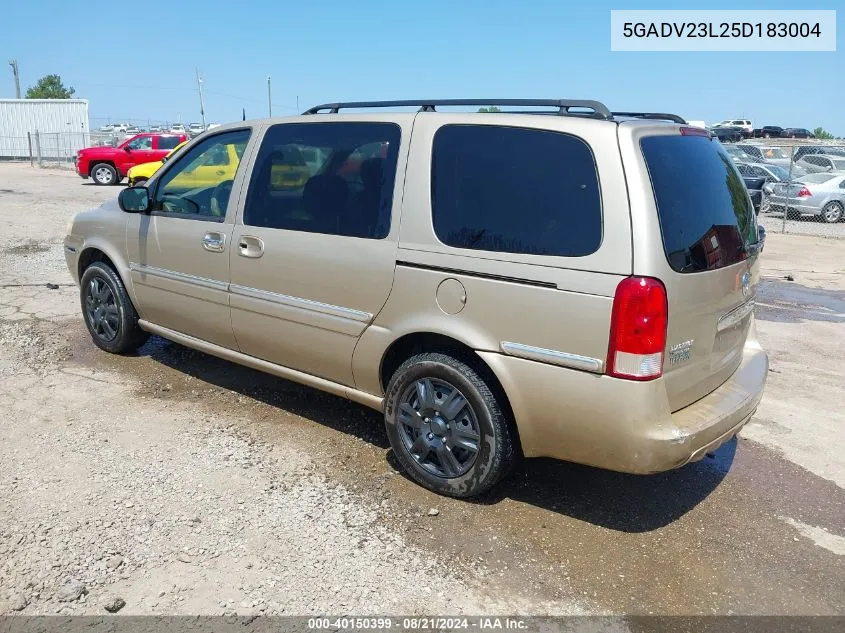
pixel 104 175
pixel 108 311
pixel 447 426
pixel 832 212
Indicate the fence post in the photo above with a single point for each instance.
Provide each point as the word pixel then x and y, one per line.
pixel 789 180
pixel 38 148
pixel 59 156
pixel 29 142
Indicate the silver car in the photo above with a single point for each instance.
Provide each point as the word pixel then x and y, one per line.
pixel 817 195
pixel 821 163
pixel 769 154
pixel 772 173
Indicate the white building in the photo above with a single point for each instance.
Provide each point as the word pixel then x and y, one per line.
pixel 59 126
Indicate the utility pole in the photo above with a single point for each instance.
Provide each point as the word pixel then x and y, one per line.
pixel 199 87
pixel 269 98
pixel 297 104
pixel 14 64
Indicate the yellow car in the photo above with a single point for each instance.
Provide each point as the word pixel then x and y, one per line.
pixel 222 163
pixel 139 174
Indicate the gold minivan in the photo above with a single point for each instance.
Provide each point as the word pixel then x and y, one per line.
pixel 564 281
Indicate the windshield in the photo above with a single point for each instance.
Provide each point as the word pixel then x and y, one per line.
pixel 705 214
pixel 780 172
pixel 839 164
pixel 775 152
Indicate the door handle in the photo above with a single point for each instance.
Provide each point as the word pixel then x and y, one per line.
pixel 214 242
pixel 249 246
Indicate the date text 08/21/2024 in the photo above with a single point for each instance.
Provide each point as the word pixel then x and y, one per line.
pixel 723 29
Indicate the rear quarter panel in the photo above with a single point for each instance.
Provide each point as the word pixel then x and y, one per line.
pixel 489 298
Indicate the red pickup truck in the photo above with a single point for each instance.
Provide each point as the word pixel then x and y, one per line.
pixel 108 165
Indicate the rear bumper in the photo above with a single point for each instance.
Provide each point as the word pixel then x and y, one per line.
pixel 777 203
pixel 625 425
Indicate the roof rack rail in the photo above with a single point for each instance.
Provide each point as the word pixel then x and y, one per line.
pixel 564 107
pixel 657 116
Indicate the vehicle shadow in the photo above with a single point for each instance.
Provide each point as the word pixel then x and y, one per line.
pixel 616 501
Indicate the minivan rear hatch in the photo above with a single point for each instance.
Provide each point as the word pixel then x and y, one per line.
pixel 710 238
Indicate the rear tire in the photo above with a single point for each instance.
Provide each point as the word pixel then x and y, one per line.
pixel 104 174
pixel 448 428
pixel 109 315
pixel 832 212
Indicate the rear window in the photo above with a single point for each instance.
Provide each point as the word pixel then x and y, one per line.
pixel 706 217
pixel 168 142
pixel 515 190
pixel 816 178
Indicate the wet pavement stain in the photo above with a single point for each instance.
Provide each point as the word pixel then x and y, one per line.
pixel 708 538
pixel 27 249
pixel 790 302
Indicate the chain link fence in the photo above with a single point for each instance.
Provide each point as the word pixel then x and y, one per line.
pixel 52 149
pixel 802 183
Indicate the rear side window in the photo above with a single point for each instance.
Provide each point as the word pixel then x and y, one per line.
pixel 706 217
pixel 333 178
pixel 168 142
pixel 515 190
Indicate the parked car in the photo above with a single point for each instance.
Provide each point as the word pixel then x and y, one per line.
pixel 743 124
pixel 195 129
pixel 797 132
pixel 728 134
pixel 766 153
pixel 321 285
pixel 141 173
pixel 771 131
pixel 737 153
pixel 818 195
pixel 177 128
pixel 755 190
pixel 831 150
pixel 109 165
pixel 821 163
pixel 769 173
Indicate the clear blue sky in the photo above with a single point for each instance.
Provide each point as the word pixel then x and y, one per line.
pixel 142 67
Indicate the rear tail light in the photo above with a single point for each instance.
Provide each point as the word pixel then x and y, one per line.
pixel 804 192
pixel 638 329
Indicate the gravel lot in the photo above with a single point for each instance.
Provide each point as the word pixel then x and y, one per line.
pixel 170 482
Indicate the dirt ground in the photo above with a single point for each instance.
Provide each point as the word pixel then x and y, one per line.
pixel 177 483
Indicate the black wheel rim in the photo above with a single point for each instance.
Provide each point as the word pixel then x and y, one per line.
pixel 438 427
pixel 101 309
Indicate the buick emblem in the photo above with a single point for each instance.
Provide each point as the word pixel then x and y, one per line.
pixel 745 282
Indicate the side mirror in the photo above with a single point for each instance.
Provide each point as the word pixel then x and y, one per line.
pixel 134 200
pixel 127 149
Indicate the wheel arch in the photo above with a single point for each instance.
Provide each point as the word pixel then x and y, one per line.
pixel 100 161
pixel 417 342
pixel 96 251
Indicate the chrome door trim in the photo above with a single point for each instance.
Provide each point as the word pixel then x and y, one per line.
pixel 297 302
pixel 553 357
pixel 204 282
pixel 730 319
